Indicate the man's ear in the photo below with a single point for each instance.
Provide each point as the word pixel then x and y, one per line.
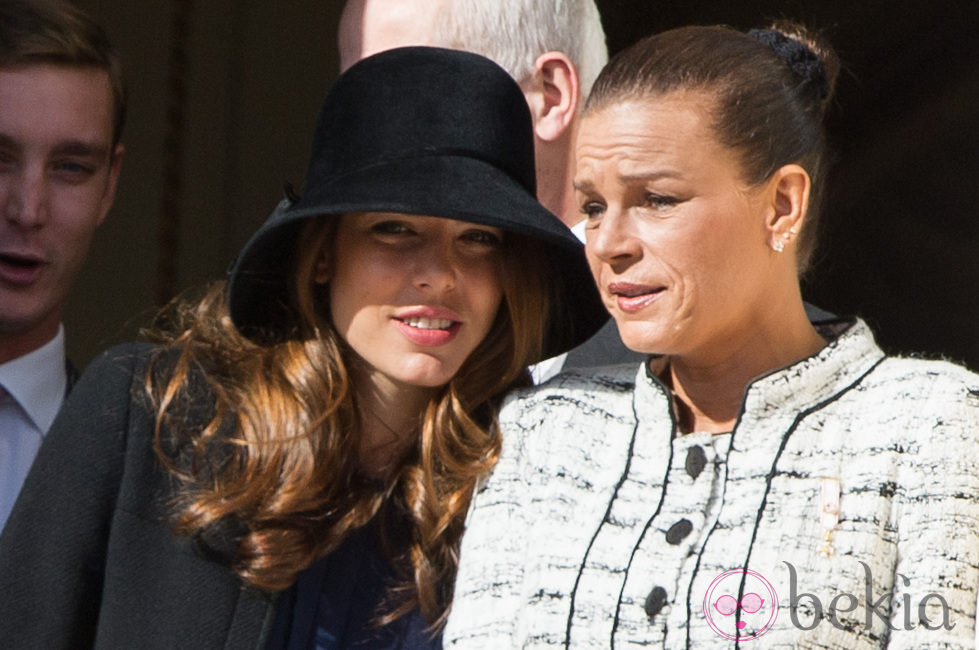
pixel 553 94
pixel 789 190
pixel 112 182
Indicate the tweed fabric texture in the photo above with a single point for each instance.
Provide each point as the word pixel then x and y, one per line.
pixel 604 527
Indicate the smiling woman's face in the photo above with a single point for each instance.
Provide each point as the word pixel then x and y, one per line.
pixel 412 295
pixel 676 239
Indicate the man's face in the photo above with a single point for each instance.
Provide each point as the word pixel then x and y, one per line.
pixel 58 172
pixel 371 26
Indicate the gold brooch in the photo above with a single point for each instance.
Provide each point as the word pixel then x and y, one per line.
pixel 829 513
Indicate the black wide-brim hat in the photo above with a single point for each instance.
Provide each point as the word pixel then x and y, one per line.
pixel 424 131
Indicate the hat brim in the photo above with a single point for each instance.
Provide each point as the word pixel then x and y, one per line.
pixel 450 186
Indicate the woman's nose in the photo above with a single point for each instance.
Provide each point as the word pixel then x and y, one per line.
pixel 436 269
pixel 612 239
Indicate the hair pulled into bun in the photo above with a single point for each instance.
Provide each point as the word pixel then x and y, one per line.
pixel 807 54
pixel 767 108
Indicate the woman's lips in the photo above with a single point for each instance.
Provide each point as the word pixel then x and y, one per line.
pixel 631 298
pixel 430 325
pixel 428 336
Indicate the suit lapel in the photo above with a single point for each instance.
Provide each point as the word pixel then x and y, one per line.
pixel 71 372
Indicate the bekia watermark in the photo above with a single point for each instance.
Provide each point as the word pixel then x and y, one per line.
pixel 879 608
pixel 743 619
pixel 756 611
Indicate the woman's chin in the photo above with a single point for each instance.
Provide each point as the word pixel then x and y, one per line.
pixel 424 372
pixel 643 337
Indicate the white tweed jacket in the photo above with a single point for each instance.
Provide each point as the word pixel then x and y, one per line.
pixel 602 527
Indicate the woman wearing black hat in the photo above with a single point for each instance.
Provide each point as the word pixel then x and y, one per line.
pixel 291 469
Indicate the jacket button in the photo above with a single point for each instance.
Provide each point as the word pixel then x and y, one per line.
pixel 655 601
pixel 678 531
pixel 696 459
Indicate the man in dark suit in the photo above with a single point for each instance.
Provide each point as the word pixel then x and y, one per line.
pixel 63 104
pixel 555 78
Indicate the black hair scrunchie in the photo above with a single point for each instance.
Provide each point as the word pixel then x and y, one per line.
pixel 803 61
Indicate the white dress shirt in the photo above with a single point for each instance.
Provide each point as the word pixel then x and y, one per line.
pixel 35 386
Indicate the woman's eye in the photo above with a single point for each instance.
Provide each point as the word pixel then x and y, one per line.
pixel 390 228
pixel 592 209
pixel 484 237
pixel 660 201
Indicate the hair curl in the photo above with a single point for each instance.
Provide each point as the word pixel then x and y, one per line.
pixel 269 483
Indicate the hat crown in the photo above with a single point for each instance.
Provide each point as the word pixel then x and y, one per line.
pixel 375 114
pixel 425 131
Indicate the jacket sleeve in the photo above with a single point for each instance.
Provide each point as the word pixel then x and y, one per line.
pixel 53 549
pixel 489 580
pixel 937 573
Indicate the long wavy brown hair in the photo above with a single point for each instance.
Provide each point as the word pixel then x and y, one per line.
pixel 264 439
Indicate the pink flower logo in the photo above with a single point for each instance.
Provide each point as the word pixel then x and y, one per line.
pixel 744 619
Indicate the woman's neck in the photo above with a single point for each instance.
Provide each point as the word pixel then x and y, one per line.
pixel 708 388
pixel 390 417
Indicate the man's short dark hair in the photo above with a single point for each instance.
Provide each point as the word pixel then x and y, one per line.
pixel 59 33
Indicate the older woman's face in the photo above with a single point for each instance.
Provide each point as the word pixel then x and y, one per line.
pixel 413 295
pixel 676 239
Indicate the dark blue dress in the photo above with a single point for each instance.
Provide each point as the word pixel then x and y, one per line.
pixel 333 602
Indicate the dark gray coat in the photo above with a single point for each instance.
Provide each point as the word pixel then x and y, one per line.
pixel 88 559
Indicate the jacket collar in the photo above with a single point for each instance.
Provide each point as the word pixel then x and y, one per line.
pixel 786 392
pixel 850 354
